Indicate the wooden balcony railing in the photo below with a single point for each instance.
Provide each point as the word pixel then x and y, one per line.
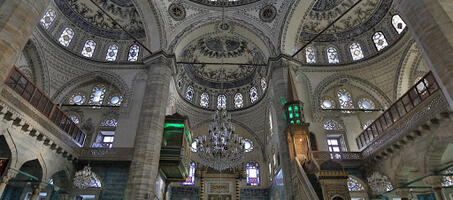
pixel 30 92
pixel 404 106
pixel 110 154
pixel 325 155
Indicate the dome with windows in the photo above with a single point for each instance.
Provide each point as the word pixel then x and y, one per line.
pixel 105 31
pixel 368 29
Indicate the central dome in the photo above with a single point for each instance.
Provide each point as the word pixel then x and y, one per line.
pixel 224 2
pixel 221 49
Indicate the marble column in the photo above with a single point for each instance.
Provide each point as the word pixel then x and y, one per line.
pixel 4 180
pixel 145 163
pixel 431 25
pixel 277 92
pixel 18 19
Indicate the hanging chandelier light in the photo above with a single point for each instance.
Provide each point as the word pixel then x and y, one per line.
pixel 86 179
pixel 221 149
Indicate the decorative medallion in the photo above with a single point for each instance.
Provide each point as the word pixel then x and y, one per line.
pixel 177 11
pixel 224 26
pixel 268 13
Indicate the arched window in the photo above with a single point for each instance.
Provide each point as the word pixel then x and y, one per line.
pixel 345 100
pixel 366 104
pixel 263 84
pixel 327 103
pixel 379 41
pixel 74 119
pixel 88 48
pixel 332 55
pixel 356 51
pixel 354 185
pixel 448 180
pixel 221 102
pixel 252 170
pixel 248 145
pixel 310 55
pixel 238 101
pixel 77 99
pixel 331 125
pixel 112 52
pixel 204 100
pixel 48 18
pixel 366 124
pixel 106 134
pixel 190 180
pixel 97 95
pixel 115 100
pixel 189 93
pixel 398 24
pixel 133 53
pixel 253 94
pixel 66 37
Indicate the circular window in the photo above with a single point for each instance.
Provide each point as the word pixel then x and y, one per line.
pixel 248 145
pixel 77 99
pixel 327 103
pixel 194 146
pixel 366 104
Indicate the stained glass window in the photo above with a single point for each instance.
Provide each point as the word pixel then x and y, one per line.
pixel 66 37
pixel 332 55
pixel 48 18
pixel 179 83
pixel 110 122
pixel 194 146
pixel 354 185
pixel 190 181
pixel 327 103
pixel 253 94
pixel 356 51
pixel 334 146
pixel 263 84
pixel 253 173
pixel 345 100
pixel 398 24
pixel 367 123
pixel 112 52
pixel 379 41
pixel 238 101
pixel 331 125
pixel 448 180
pixel 133 53
pixel 248 145
pixel 77 99
pixel 116 100
pixel 189 93
pixel 366 104
pixel 97 95
pixel 88 48
pixel 310 55
pixel 204 100
pixel 221 102
pixel 75 119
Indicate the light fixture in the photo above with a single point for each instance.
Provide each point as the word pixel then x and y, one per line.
pixel 86 178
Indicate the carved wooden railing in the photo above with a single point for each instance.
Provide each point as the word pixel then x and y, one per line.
pixel 110 154
pixel 400 111
pixel 30 92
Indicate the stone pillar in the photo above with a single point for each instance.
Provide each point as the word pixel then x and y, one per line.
pixel 4 180
pixel 430 23
pixel 436 183
pixel 278 90
pixel 145 163
pixel 18 19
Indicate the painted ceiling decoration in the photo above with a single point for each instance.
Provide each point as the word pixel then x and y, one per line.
pixel 87 16
pixel 360 19
pixel 221 49
pixel 224 2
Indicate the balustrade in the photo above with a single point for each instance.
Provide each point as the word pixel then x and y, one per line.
pixel 30 92
pixel 404 106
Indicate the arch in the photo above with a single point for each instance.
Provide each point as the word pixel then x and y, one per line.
pixel 292 28
pixel 109 77
pixel 407 69
pixel 152 23
pixel 33 55
pixel 7 141
pixel 364 85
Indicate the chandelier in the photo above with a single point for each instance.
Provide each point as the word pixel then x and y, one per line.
pixel 86 179
pixel 379 183
pixel 221 149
